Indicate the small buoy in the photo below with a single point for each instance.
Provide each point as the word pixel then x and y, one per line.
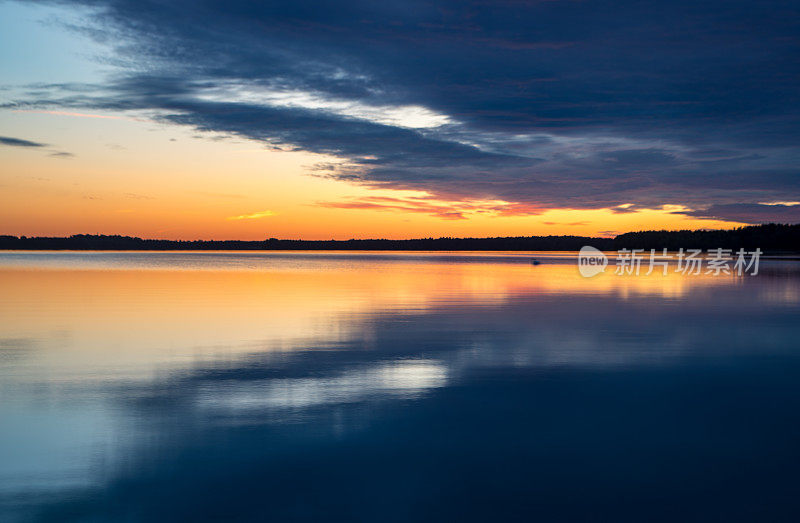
pixel 534 261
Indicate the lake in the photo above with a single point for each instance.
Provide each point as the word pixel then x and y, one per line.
pixel 381 386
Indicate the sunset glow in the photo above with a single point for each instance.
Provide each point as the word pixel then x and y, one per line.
pixel 166 182
pixel 353 148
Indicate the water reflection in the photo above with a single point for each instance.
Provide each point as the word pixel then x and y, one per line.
pixel 245 386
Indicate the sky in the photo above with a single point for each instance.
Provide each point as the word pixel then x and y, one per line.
pixel 354 119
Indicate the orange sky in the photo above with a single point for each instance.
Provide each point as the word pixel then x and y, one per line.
pixel 135 177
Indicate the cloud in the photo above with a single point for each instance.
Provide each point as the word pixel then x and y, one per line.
pixel 752 213
pixel 447 210
pixel 397 204
pixel 61 154
pixel 409 116
pixel 540 105
pixel 18 142
pixel 252 216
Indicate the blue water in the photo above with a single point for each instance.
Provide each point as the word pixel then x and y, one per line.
pixel 393 387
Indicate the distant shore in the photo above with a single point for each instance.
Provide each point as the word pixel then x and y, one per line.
pixel 774 238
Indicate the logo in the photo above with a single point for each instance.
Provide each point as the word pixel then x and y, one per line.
pixel 591 261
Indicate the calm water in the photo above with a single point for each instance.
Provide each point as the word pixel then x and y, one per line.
pixel 393 387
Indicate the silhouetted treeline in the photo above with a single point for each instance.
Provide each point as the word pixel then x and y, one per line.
pixel 124 243
pixel 771 237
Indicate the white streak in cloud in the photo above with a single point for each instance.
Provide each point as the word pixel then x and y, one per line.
pixel 409 116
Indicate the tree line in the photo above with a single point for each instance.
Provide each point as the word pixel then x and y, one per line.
pixel 769 237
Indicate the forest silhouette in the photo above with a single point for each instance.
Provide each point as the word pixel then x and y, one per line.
pixel 768 237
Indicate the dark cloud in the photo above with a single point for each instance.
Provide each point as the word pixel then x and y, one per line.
pixel 61 154
pixel 543 104
pixel 751 212
pixel 18 142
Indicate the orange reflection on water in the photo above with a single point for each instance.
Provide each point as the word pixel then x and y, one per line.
pixel 141 319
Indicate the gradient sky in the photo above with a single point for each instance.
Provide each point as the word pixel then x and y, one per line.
pixel 396 119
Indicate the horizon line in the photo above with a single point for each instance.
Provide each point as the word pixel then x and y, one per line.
pixel 429 238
